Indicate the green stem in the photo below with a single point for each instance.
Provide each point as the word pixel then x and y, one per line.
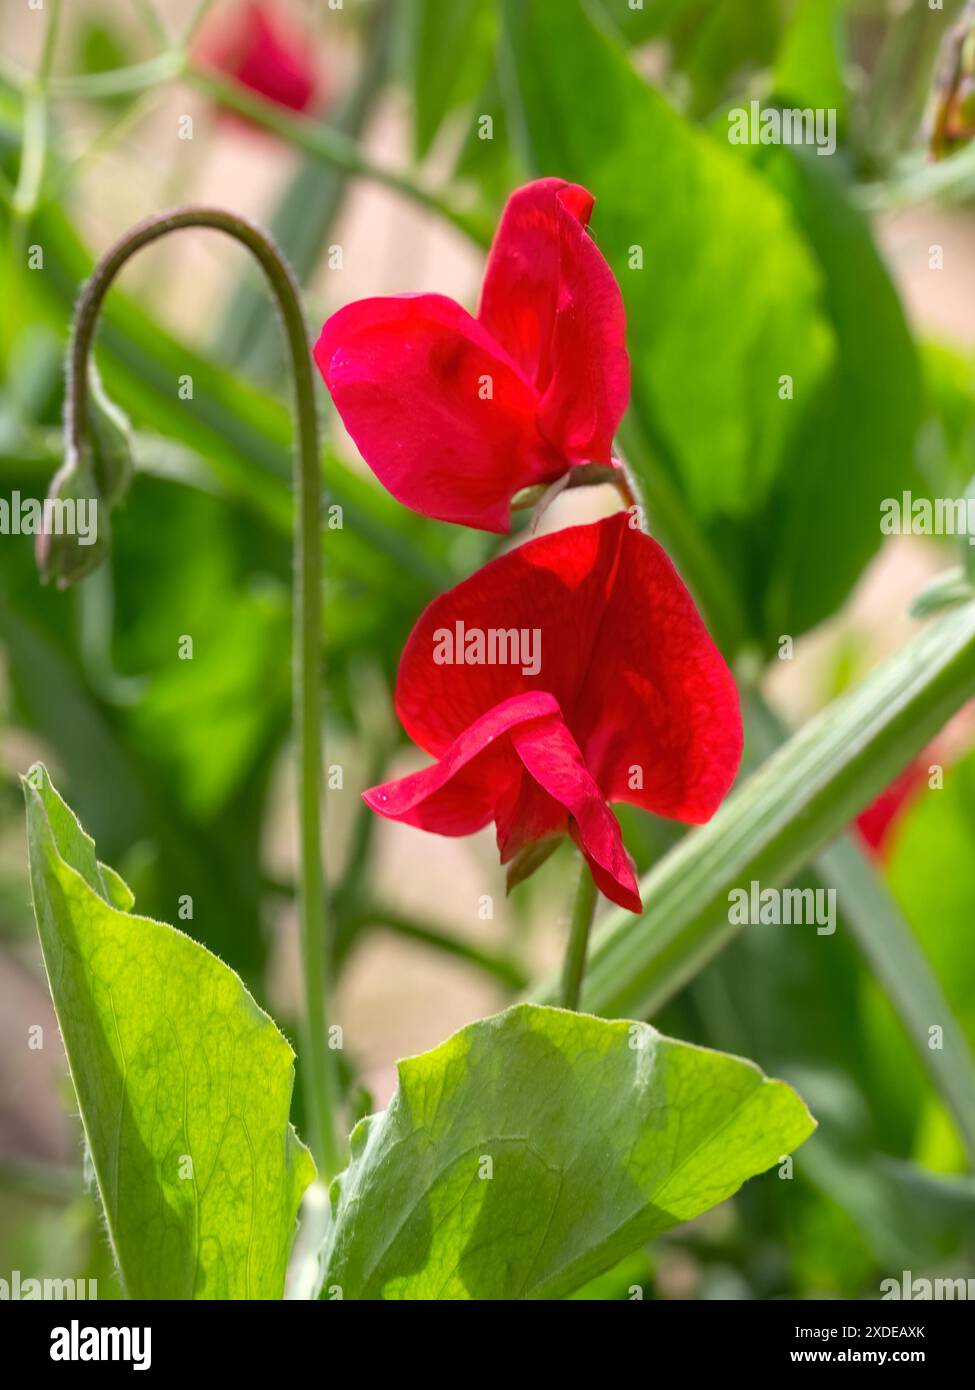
pixel 50 43
pixel 318 1063
pixel 33 155
pixel 37 1181
pixel 153 20
pixel 577 946
pixel 192 29
pixel 115 82
pixel 108 136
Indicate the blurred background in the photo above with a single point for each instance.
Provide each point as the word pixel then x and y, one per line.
pixel 378 142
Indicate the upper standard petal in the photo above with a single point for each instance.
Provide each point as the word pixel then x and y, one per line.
pixel 437 409
pixel 551 300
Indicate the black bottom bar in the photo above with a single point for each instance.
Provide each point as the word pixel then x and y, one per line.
pixel 227 1337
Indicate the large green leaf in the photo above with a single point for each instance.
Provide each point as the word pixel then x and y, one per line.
pixel 449 46
pixel 726 299
pixel 857 446
pixel 810 63
pixel 534 1149
pixel 183 1083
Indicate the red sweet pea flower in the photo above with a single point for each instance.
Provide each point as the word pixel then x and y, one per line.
pixel 455 414
pixel 571 672
pixel 260 54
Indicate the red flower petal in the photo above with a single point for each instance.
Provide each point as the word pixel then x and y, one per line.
pixel 877 822
pixel 479 779
pixel 552 756
pixel 435 407
pixel 458 794
pixel 644 692
pixel 262 55
pixel 552 301
pixel 275 65
pixel 519 294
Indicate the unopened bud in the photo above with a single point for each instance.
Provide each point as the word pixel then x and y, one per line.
pixel 111 443
pixel 74 538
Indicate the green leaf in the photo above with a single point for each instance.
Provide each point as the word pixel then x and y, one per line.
pixel 947 589
pixel 898 965
pixel 726 299
pixel 600 1136
pixel 809 66
pixel 183 1083
pixel 856 446
pixel 450 45
pixel 713 43
pixel 930 876
pixel 726 44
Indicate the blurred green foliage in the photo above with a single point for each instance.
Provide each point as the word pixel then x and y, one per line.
pixel 739 266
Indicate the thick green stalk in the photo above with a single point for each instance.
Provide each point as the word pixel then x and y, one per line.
pixel 317 1062
pixel 577 946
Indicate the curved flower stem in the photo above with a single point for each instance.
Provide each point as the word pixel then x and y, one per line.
pixel 574 964
pixel 318 1063
pixel 539 496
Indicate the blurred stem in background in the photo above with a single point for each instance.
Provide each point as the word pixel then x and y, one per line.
pixel 324 143
pixel 902 78
pixel 319 1070
pixel 332 147
pixel 301 220
pixel 33 157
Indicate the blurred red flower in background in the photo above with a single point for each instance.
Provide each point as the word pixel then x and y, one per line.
pixel 253 46
pixel 611 690
pixel 455 414
pixel 876 824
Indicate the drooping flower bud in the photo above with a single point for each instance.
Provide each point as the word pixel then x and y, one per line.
pixel 111 443
pixel 74 537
